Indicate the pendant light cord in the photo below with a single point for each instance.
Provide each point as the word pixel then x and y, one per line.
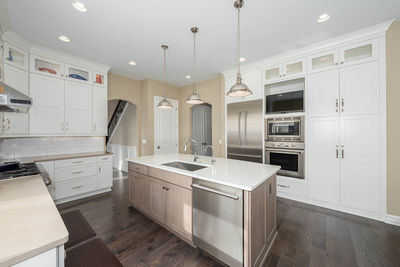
pixel 194 62
pixel 238 40
pixel 165 73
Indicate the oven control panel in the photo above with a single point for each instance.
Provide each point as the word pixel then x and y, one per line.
pixel 287 145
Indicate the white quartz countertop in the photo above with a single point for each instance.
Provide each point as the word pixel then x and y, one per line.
pixel 236 173
pixel 30 223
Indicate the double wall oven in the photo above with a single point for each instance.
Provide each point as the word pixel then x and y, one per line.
pixel 284 145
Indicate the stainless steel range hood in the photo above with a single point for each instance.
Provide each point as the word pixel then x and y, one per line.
pixel 11 100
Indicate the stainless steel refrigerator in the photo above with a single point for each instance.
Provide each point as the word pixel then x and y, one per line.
pixel 245 131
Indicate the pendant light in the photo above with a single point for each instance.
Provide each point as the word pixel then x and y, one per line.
pixel 164 103
pixel 194 98
pixel 239 89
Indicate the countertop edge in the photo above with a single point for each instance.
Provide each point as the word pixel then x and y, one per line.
pixel 194 175
pixel 60 157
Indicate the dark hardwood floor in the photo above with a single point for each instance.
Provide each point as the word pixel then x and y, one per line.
pixel 308 235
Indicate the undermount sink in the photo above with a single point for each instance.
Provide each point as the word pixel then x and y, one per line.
pixel 184 166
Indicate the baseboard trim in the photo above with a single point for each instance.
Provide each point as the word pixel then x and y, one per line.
pixel 392 219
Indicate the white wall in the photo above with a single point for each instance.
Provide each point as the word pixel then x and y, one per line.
pixel 121 153
pixel 43 146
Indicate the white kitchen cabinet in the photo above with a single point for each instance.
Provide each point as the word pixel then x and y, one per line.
pixel 78 74
pixel 273 73
pixel 359 89
pixel 359 53
pixel 16 123
pixel 44 66
pixel 99 78
pixel 323 61
pixel 285 70
pixel 47 169
pixel 100 105
pixel 253 80
pixel 359 162
pixel 51 258
pixel 15 56
pixel 323 159
pixel 105 174
pixel 323 93
pixel 47 111
pixel 78 108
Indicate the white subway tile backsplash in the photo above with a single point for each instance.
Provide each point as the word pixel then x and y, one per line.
pixel 44 146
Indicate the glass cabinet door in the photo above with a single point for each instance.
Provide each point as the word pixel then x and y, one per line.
pixel 77 74
pixel 293 68
pixel 358 53
pixel 15 56
pixel 44 66
pixel 323 61
pixel 99 78
pixel 273 73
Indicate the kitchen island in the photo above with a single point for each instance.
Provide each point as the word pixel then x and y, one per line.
pixel 227 209
pixel 32 232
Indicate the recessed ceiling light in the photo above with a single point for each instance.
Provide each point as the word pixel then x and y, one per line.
pixel 132 63
pixel 188 76
pixel 242 59
pixel 324 17
pixel 64 38
pixel 79 6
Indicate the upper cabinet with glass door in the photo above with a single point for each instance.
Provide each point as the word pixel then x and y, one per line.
pixel 78 74
pixel 15 56
pixel 47 67
pixel 99 78
pixel 283 71
pixel 323 61
pixel 359 53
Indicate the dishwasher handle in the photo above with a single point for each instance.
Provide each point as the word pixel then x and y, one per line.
pixel 198 186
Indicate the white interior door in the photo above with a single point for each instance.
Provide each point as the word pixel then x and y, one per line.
pixel 359 155
pixel 323 94
pixel 165 128
pixel 323 159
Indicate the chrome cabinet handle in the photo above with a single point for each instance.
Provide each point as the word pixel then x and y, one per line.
pixel 95 127
pixel 218 192
pixel 342 104
pixel 337 151
pixel 8 124
pixel 76 162
pixel 76 187
pixel 337 105
pixel 284 186
pixel 66 127
pixel 77 172
pixel 342 152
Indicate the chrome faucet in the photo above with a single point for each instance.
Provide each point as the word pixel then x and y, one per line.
pixel 194 150
pixel 212 154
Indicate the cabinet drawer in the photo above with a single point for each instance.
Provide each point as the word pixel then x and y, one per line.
pixel 104 159
pixel 75 172
pixel 170 177
pixel 75 187
pixel 74 162
pixel 138 168
pixel 292 186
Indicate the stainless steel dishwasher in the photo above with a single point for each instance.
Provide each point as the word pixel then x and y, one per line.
pixel 218 221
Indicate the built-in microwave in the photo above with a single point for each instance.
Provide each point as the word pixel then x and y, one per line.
pixel 290 129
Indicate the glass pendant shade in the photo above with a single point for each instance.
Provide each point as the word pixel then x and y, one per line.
pixel 239 89
pixel 164 103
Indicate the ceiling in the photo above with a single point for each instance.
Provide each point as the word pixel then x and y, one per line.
pixel 116 32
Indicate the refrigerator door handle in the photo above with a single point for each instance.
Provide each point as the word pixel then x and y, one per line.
pixel 239 134
pixel 245 127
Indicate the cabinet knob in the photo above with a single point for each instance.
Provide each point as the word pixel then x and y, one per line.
pixel 336 63
pixel 341 62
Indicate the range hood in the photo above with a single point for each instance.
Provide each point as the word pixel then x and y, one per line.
pixel 11 100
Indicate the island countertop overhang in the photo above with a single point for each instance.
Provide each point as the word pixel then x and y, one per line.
pixel 239 174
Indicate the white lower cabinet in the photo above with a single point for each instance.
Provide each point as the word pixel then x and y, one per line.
pixel 79 177
pixel 343 161
pixel 47 111
pixel 51 258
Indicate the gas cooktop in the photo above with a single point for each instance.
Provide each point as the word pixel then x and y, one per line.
pixel 15 169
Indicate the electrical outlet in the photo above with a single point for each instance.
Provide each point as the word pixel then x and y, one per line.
pixel 144 141
pixel 220 141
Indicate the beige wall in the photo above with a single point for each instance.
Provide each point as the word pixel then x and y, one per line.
pixel 149 89
pixel 393 122
pixel 120 87
pixel 127 131
pixel 212 93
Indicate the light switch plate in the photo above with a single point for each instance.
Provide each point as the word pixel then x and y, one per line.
pixel 144 141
